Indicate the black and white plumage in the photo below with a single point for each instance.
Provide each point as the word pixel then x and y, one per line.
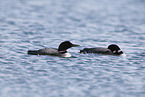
pixel 61 51
pixel 112 49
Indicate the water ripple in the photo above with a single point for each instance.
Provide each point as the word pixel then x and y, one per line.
pixel 37 24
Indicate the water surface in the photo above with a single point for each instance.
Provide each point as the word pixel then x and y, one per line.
pixel 35 24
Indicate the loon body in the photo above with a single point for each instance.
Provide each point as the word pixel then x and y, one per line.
pixel 112 49
pixel 61 51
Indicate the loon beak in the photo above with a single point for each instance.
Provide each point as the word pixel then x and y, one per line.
pixel 74 45
pixel 120 52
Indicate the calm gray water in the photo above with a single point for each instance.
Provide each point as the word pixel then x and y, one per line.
pixel 35 24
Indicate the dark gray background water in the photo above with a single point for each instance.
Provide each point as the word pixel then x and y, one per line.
pixel 35 24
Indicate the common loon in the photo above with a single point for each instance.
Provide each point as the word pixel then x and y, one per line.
pixel 112 49
pixel 61 51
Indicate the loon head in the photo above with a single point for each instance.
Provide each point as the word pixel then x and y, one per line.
pixel 115 49
pixel 65 45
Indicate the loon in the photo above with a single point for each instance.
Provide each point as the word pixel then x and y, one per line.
pixel 61 51
pixel 112 49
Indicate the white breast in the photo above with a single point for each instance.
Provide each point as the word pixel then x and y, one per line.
pixel 66 55
pixel 122 55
